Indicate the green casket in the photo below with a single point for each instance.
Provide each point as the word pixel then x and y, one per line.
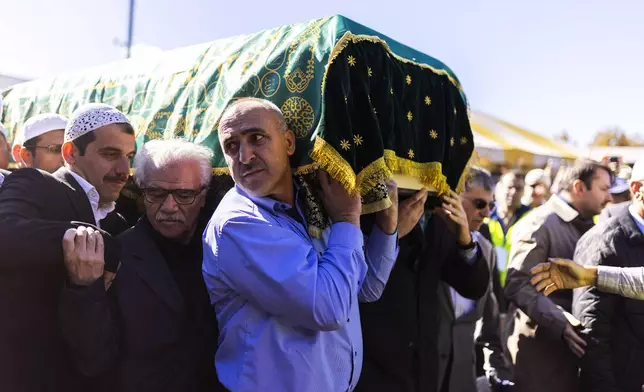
pixel 362 105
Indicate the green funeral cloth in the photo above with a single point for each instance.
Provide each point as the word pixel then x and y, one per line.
pixel 362 105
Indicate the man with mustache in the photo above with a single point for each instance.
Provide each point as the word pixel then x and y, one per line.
pixel 153 329
pixel 36 209
pixel 286 302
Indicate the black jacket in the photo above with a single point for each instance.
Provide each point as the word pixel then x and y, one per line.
pixel 400 331
pixel 36 208
pixel 144 334
pixel 614 325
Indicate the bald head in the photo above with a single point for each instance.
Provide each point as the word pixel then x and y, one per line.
pixel 257 145
pixel 241 109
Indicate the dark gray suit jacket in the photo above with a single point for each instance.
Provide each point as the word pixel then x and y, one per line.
pixel 36 208
pixel 457 337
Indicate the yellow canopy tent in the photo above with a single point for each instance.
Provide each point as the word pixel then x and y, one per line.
pixel 499 142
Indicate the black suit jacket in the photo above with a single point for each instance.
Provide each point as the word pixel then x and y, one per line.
pixel 36 208
pixel 400 331
pixel 139 336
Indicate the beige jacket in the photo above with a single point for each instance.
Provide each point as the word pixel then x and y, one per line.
pixel 543 361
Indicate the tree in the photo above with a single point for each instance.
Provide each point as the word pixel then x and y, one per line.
pixel 615 137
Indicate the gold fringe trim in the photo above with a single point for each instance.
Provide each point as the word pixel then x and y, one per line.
pixel 332 162
pixel 220 171
pixel 350 38
pixel 430 174
pixel 470 162
pixel 376 206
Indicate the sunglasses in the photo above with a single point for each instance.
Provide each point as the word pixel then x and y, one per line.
pixel 480 204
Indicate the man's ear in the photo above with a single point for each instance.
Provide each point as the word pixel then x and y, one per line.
pixel 70 152
pixel 289 138
pixel 26 157
pixel 578 187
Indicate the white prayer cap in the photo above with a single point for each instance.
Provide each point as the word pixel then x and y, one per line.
pixel 638 171
pixel 537 176
pixel 90 117
pixel 41 124
pixel 3 131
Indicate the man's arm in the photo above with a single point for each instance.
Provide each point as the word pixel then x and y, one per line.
pixel 381 251
pixel 496 362
pixel 87 316
pixel 529 249
pixel 464 270
pixel 88 319
pixel 281 273
pixel 595 310
pixel 26 239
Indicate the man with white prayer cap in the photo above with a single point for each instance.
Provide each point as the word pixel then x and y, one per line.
pixel 43 142
pixel 37 210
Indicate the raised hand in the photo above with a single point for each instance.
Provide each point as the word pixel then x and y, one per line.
pixel 410 211
pixel 83 251
pixel 561 274
pixel 338 203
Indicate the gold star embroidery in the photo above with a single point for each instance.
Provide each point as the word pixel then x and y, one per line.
pixel 369 72
pixel 345 145
pixel 428 100
pixel 411 154
pixel 451 142
pixel 463 140
pixel 346 99
pixel 433 134
pixel 375 111
pixel 352 61
pixel 391 91
pixel 455 111
pixel 408 80
pixel 410 116
pixel 357 140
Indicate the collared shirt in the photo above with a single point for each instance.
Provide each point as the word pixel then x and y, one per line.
pixel 628 282
pixel 92 194
pixel 1 178
pixel 287 304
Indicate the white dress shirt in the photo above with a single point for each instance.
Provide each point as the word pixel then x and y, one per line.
pixel 92 194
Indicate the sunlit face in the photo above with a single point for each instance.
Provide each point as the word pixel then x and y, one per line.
pixel 539 193
pixel 175 215
pixel 477 203
pixel 509 191
pixel 257 150
pixel 106 162
pixel 593 200
pixel 47 154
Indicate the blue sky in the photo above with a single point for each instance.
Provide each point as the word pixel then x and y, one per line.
pixel 546 65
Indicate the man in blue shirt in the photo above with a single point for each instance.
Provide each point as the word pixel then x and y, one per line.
pixel 287 303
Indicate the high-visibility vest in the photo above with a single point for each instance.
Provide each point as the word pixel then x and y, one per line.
pixel 501 242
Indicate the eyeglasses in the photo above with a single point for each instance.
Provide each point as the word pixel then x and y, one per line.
pixel 52 148
pixel 183 197
pixel 480 204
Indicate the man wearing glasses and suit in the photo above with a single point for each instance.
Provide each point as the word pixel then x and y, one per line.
pixel 43 142
pixel 153 329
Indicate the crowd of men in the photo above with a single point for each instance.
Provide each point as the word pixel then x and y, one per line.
pixel 431 294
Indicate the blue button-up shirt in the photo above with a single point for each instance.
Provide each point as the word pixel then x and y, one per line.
pixel 287 303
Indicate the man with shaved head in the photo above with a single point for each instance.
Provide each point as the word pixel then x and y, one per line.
pixel 287 303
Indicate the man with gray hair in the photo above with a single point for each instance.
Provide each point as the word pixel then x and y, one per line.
pixel 464 322
pixel 153 329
